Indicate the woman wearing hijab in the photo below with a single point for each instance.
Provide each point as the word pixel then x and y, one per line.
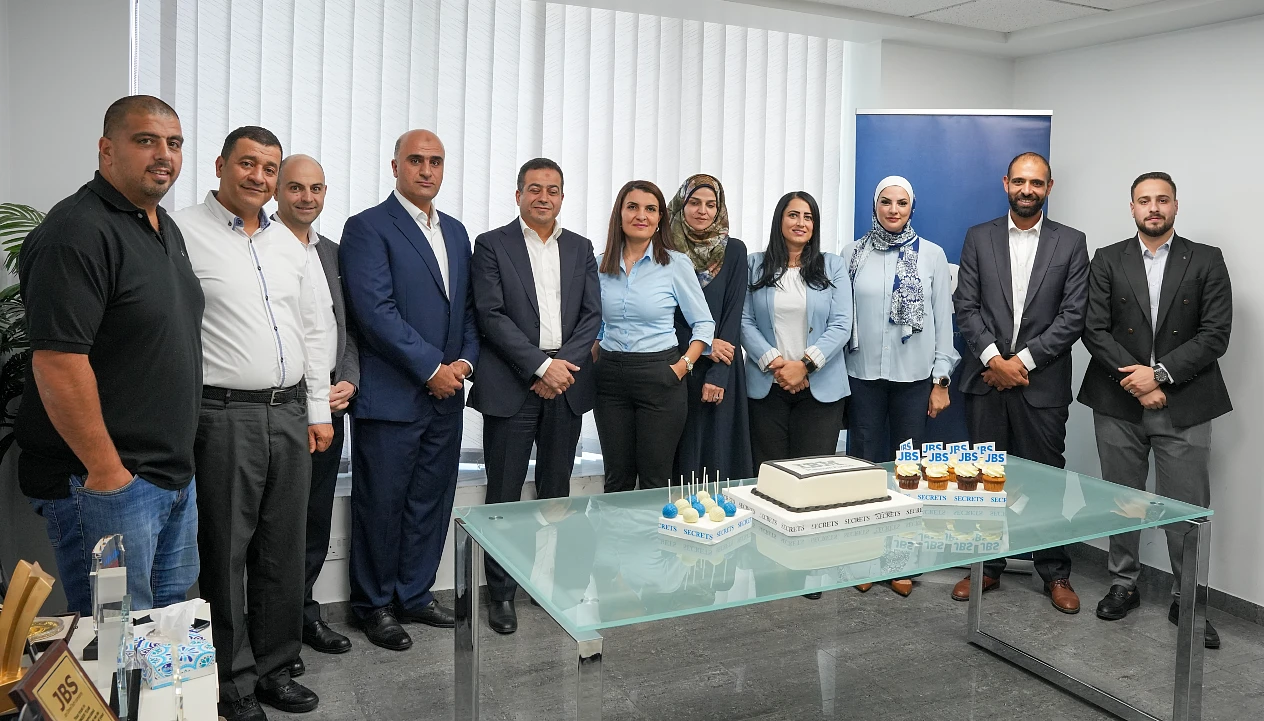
pixel 795 322
pixel 901 353
pixel 716 436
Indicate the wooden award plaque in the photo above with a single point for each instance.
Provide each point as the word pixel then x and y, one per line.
pixel 28 589
pixel 59 689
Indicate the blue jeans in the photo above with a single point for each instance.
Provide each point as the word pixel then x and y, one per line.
pixel 159 530
pixel 883 414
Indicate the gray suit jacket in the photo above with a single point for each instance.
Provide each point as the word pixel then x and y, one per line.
pixel 348 366
pixel 1053 313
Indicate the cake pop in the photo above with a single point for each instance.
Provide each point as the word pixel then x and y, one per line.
pixel 690 515
pixel 716 514
pixel 730 509
pixel 670 510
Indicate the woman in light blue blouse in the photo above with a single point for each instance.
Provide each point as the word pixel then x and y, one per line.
pixel 901 353
pixel 642 404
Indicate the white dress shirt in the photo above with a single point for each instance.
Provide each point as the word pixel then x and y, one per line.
pixel 432 231
pixel 261 327
pixel 1022 256
pixel 790 322
pixel 1155 265
pixel 546 271
pixel 320 286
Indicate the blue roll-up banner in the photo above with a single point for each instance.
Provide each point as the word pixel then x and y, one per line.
pixel 955 160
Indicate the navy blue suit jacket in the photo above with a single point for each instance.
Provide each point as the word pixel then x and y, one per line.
pixel 407 325
pixel 509 318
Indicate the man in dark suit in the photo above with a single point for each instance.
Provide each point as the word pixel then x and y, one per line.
pixel 300 199
pixel 1160 308
pixel 1021 293
pixel 538 303
pixel 406 271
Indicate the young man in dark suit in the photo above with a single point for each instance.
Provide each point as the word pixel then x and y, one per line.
pixel 1021 293
pixel 406 272
pixel 538 303
pixel 1160 308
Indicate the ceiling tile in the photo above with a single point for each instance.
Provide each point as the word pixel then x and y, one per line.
pixel 907 8
pixel 1008 15
pixel 1115 4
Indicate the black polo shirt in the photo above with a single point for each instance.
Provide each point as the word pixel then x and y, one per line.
pixel 96 279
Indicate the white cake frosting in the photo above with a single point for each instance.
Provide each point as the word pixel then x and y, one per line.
pixel 822 481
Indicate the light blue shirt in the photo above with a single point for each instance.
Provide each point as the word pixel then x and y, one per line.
pixel 638 306
pixel 1155 265
pixel 881 354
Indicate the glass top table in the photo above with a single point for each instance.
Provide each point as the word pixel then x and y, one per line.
pixel 596 562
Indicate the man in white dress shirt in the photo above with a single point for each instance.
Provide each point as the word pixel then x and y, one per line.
pixel 265 409
pixel 1022 292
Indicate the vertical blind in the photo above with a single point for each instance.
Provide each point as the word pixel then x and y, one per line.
pixel 610 95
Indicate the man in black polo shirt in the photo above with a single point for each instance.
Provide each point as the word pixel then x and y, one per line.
pixel 110 407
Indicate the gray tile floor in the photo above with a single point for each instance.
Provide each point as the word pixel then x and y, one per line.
pixel 848 655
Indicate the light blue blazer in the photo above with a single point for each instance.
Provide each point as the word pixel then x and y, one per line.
pixel 829 329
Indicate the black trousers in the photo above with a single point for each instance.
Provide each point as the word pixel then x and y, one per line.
pixel 641 411
pixel 320 511
pixel 253 474
pixel 793 425
pixel 883 414
pixel 1037 434
pixel 553 428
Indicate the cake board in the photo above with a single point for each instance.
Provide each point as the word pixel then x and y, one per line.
pixel 706 531
pixel 896 507
pixel 953 497
pixel 714 552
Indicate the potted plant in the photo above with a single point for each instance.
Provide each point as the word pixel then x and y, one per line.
pixel 16 222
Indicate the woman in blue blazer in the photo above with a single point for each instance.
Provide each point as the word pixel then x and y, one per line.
pixel 795 324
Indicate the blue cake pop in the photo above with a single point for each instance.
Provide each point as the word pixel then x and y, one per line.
pixel 702 511
pixel 730 509
pixel 670 510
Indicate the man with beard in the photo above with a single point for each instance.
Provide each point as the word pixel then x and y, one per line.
pixel 115 312
pixel 1021 294
pixel 1160 309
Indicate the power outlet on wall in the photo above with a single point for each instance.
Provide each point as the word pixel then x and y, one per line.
pixel 338 548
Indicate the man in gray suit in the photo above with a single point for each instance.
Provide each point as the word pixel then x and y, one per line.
pixel 300 198
pixel 1022 289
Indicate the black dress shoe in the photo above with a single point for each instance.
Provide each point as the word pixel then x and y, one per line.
pixel 297 668
pixel 293 697
pixel 383 630
pixel 502 617
pixel 1117 603
pixel 1211 639
pixel 243 709
pixel 322 638
pixel 816 596
pixel 431 614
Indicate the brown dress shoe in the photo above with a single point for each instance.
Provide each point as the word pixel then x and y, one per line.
pixel 961 591
pixel 902 586
pixel 1063 596
pixel 864 587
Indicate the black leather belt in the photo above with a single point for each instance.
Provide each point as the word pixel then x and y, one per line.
pixel 271 396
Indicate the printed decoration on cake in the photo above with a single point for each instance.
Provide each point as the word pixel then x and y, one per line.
pixel 953 476
pixel 197 658
pixel 822 493
pixel 702 515
pixel 907 453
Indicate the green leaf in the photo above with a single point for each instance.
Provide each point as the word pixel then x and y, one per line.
pixel 16 222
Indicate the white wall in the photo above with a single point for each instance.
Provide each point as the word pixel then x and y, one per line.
pixel 5 106
pixel 1192 104
pixel 914 77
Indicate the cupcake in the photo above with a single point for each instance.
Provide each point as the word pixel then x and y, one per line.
pixel 967 477
pixel 908 475
pixel 993 477
pixel 937 476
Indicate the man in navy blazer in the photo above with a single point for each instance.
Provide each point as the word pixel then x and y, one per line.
pixel 406 270
pixel 1022 294
pixel 538 303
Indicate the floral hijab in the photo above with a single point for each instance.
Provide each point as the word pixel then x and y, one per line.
pixel 706 247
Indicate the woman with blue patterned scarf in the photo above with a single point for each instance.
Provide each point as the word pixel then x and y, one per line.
pixel 901 353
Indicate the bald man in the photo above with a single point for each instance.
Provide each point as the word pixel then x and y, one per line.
pixel 406 272
pixel 300 197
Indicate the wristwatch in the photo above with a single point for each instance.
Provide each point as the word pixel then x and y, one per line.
pixel 688 363
pixel 809 364
pixel 943 381
pixel 1161 375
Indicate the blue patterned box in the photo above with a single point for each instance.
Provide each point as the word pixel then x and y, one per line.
pixel 197 658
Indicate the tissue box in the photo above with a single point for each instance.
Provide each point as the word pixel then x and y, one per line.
pixel 197 658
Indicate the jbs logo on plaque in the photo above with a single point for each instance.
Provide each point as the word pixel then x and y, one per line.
pixel 59 689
